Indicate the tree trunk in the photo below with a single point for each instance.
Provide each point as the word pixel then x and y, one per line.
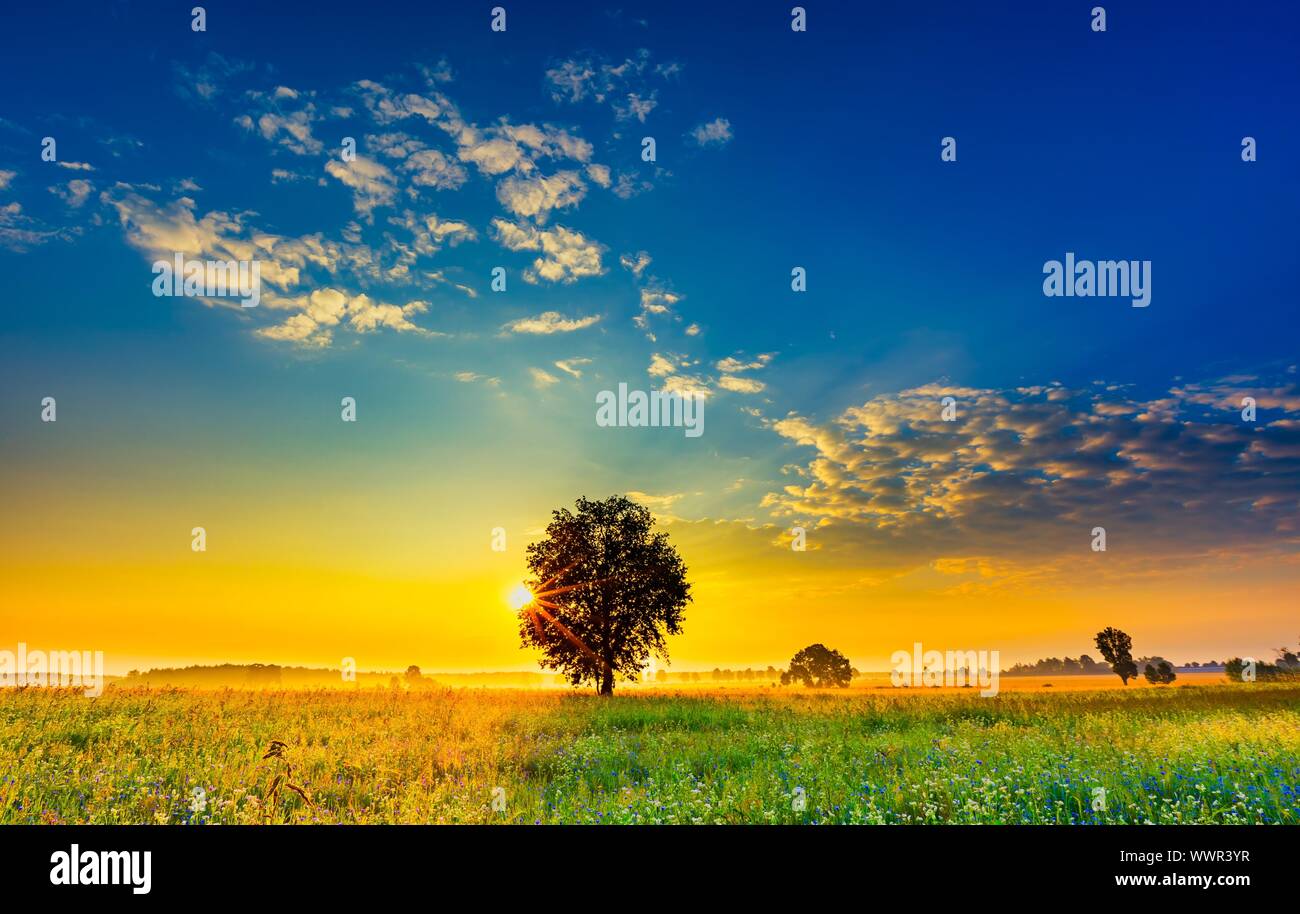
pixel 606 681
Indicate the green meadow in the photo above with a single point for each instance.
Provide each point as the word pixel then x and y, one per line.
pixel 1183 754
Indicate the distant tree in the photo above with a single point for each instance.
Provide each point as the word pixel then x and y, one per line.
pixel 607 591
pixel 1161 673
pixel 717 673
pixel 818 666
pixel 662 676
pixel 412 673
pixel 1117 650
pixel 772 672
pixel 394 683
pixel 1235 667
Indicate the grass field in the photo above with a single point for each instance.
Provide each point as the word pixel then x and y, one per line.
pixel 1194 753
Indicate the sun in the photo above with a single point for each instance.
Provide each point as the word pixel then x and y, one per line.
pixel 519 596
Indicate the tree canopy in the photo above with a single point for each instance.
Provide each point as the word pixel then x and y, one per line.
pixel 819 666
pixel 1117 650
pixel 607 591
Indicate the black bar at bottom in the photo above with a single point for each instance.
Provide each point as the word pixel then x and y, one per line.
pixel 330 863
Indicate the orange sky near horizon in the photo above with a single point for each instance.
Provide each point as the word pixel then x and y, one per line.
pixel 438 598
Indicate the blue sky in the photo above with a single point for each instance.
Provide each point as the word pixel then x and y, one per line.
pixel 775 149
pixel 1123 143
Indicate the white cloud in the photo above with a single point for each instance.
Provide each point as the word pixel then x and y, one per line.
pixel 714 133
pixel 550 322
pixel 687 386
pixel 429 234
pixel 636 263
pixel 283 175
pixel 299 329
pixel 630 184
pixel 74 193
pixel 160 232
pixel 583 78
pixel 438 276
pixel 731 364
pixel 660 366
pixel 658 301
pixel 567 255
pixel 493 157
pixel 537 196
pixel 386 106
pixel 542 379
pixel 635 107
pixel 571 366
pixel 322 310
pixel 19 232
pixel 740 384
pixel 431 168
pixel 371 182
pixel 208 80
pixel 292 131
pixel 367 316
pixel 571 81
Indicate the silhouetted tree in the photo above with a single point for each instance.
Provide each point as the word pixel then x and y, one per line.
pixel 607 590
pixel 1160 673
pixel 1116 648
pixel 819 666
pixel 1262 671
